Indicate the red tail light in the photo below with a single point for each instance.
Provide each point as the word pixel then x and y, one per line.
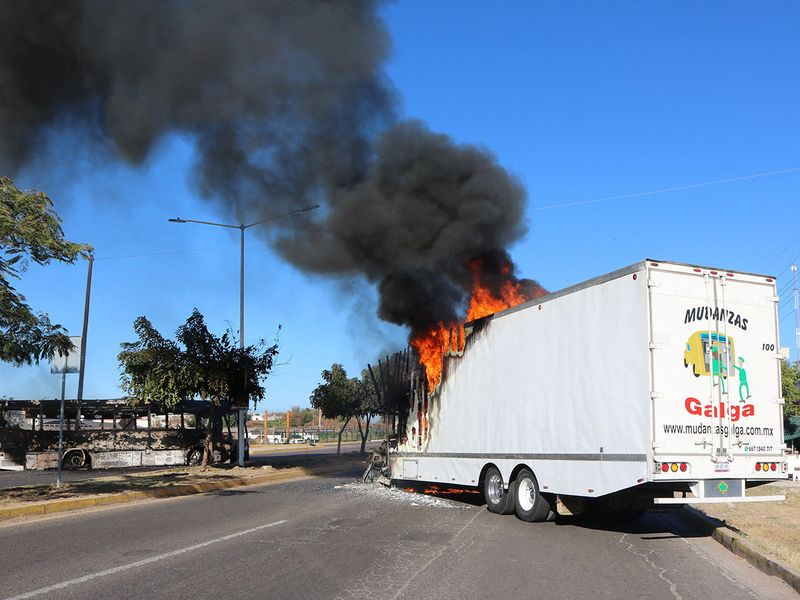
pixel 758 466
pixel 684 466
pixel 773 467
pixel 664 467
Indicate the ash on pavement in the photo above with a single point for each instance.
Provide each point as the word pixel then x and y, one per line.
pixel 396 495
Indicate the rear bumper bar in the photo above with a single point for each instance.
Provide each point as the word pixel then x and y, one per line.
pixel 718 500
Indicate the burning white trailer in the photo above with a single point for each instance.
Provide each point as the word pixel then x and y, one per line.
pixel 655 384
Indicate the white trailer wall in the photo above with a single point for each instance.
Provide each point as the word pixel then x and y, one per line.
pixel 561 386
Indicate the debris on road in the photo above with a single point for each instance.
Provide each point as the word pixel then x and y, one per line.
pixel 397 495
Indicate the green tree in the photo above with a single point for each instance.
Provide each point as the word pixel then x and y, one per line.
pixel 338 397
pixel 156 370
pixel 30 231
pixel 300 417
pixel 790 387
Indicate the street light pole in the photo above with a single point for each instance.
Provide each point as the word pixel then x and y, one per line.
pixel 241 291
pixel 242 227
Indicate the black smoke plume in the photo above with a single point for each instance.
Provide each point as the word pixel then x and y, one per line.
pixel 287 105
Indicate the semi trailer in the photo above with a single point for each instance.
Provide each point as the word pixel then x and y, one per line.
pixel 656 384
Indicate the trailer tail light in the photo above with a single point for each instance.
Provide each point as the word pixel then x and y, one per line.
pixel 766 467
pixel 674 467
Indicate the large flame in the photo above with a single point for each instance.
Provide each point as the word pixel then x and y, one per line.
pixel 432 344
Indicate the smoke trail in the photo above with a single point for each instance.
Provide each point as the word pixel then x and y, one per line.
pixel 287 104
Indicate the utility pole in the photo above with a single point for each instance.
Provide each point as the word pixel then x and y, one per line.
pixel 81 369
pixel 287 425
pixel 242 227
pixel 796 316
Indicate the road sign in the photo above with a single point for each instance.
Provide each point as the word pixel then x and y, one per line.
pixel 69 363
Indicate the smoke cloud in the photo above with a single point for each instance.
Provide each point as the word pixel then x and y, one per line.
pixel 288 105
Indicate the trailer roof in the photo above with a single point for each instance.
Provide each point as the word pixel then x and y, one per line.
pixel 634 268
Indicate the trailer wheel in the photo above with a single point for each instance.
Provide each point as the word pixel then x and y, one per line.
pixel 498 500
pixel 531 506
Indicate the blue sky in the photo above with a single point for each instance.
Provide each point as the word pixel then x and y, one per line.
pixel 581 101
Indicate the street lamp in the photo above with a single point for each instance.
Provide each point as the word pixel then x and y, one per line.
pixel 242 227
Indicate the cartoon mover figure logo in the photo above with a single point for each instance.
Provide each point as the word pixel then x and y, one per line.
pixel 696 354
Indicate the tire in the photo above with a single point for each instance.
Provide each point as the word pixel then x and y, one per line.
pixel 498 500
pixel 531 506
pixel 194 457
pixel 74 459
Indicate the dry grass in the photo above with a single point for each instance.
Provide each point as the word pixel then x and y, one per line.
pixel 770 526
pixel 128 482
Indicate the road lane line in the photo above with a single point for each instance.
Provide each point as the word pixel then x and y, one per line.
pixel 139 563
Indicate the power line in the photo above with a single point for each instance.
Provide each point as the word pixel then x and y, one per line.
pixel 791 262
pixel 785 288
pixel 669 189
pixel 797 237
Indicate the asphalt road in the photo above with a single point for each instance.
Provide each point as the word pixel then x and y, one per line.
pixel 9 479
pixel 332 538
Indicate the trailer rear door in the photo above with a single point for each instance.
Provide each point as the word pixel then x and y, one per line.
pixel 715 371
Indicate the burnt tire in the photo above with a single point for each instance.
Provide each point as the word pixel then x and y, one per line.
pixel 498 500
pixel 530 504
pixel 74 460
pixel 194 458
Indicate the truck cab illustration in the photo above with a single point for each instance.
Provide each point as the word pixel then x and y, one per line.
pixel 697 355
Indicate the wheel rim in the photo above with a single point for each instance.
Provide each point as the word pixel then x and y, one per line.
pixel 526 494
pixel 494 488
pixel 75 460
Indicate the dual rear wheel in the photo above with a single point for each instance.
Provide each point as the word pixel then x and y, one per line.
pixel 522 496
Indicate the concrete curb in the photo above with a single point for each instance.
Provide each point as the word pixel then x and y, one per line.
pixel 741 547
pixel 49 507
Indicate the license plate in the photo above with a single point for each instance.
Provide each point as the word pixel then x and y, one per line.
pixel 722 467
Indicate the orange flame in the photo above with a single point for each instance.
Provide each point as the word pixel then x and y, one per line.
pixel 451 491
pixel 433 344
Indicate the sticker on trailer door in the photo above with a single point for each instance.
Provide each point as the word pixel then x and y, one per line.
pixel 713 354
pixel 725 405
pixel 722 355
pixel 714 368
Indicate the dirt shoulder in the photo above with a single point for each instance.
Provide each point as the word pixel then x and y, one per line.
pixel 773 527
pixel 159 483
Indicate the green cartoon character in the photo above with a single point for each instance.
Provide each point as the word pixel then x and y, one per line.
pixel 742 380
pixel 717 368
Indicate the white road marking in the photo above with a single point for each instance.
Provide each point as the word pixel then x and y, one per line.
pixel 139 563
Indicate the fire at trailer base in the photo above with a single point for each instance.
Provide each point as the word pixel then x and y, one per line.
pixel 584 393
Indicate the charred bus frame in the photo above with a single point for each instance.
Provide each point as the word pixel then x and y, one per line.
pixel 108 433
